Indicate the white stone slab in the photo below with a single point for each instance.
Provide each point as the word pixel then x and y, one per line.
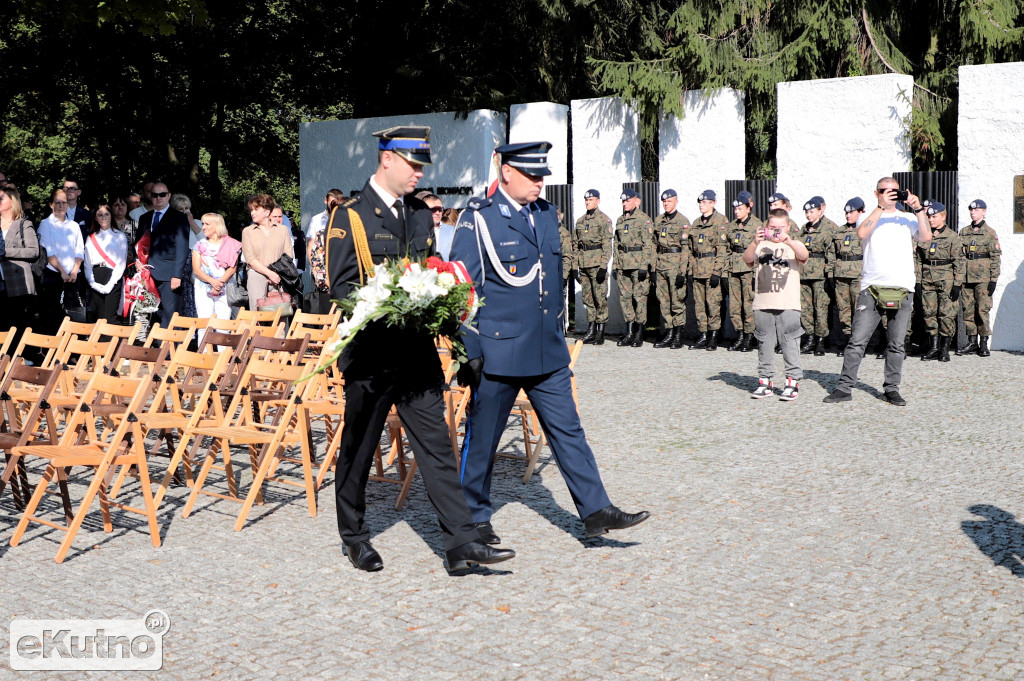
pixel 704 148
pixel 838 136
pixel 343 154
pixel 990 130
pixel 605 154
pixel 544 122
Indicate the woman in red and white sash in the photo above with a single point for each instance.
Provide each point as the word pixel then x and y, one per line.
pixel 106 254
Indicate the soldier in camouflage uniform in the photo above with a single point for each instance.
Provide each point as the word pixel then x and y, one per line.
pixel 942 276
pixel 741 278
pixel 815 235
pixel 670 229
pixel 982 250
pixel 632 263
pixel 593 245
pixel 779 201
pixel 844 260
pixel 706 257
pixel 568 248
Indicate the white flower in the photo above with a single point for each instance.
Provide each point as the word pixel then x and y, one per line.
pixel 446 280
pixel 381 274
pixel 420 284
pixel 376 290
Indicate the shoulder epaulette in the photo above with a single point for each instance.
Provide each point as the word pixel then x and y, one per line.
pixel 478 202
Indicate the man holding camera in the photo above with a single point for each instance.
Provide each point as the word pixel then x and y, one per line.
pixel 886 286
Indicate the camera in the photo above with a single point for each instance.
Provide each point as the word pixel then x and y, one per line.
pixel 901 194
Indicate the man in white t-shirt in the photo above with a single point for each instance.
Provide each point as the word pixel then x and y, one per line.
pixel 888 237
pixel 778 260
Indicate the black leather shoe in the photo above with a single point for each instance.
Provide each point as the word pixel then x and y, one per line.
pixel 611 518
pixel 364 556
pixel 893 397
pixel 837 395
pixel 475 553
pixel 702 341
pixel 486 533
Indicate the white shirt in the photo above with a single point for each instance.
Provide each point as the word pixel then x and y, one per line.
pixel 387 197
pixel 889 252
pixel 137 213
pixel 317 224
pixel 115 244
pixel 63 240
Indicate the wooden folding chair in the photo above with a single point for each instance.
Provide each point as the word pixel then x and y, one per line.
pixel 534 437
pixel 47 346
pixel 6 340
pixel 267 439
pixel 91 442
pixel 79 330
pixel 125 334
pixel 308 320
pixel 260 317
pixel 20 428
pixel 158 335
pixel 325 401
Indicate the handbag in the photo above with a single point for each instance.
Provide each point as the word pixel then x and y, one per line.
pixel 888 297
pixel 236 293
pixel 276 300
pixel 73 306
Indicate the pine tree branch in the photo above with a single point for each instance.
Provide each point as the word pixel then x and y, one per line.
pixel 881 57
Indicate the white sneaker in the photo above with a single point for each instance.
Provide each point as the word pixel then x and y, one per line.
pixel 791 391
pixel 764 389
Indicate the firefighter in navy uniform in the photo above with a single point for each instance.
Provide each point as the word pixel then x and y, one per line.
pixel 386 366
pixel 509 245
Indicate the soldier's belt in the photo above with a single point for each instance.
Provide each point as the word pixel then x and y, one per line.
pixel 850 258
pixel 738 249
pixel 589 247
pixel 816 254
pixel 937 262
pixel 669 249
pixel 978 256
pixel 630 249
pixel 709 254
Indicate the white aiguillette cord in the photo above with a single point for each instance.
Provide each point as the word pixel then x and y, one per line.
pixel 492 255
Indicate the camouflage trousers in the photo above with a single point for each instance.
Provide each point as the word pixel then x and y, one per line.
pixel 977 304
pixel 595 296
pixel 741 301
pixel 847 292
pixel 814 307
pixel 671 300
pixel 633 296
pixel 707 305
pixel 938 310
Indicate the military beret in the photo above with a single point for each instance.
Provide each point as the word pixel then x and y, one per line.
pixel 856 203
pixel 592 194
pixel 411 142
pixel 668 194
pixel 743 198
pixel 707 195
pixel 934 208
pixel 777 196
pixel 529 157
pixel 814 202
pixel 628 194
pixel 977 203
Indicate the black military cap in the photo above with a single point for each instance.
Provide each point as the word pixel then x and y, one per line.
pixel 977 203
pixel 628 193
pixel 856 203
pixel 934 208
pixel 668 194
pixel 743 198
pixel 814 202
pixel 529 157
pixel 411 142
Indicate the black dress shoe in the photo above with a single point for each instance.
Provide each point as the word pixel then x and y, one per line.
pixel 364 556
pixel 611 518
pixel 893 397
pixel 486 533
pixel 475 553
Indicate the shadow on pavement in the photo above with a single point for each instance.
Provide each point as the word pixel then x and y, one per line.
pixel 1000 537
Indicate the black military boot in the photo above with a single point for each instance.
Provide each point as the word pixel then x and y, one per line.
pixel 666 340
pixel 638 335
pixel 677 338
pixel 589 336
pixel 933 349
pixel 983 350
pixel 819 346
pixel 599 334
pixel 702 341
pixel 972 345
pixel 944 349
pixel 841 350
pixel 712 341
pixel 627 335
pixel 807 346
pixel 738 343
pixel 749 344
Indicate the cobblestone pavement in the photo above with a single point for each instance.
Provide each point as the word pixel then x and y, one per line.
pixel 788 541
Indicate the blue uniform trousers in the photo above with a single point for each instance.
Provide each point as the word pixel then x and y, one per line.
pixel 551 397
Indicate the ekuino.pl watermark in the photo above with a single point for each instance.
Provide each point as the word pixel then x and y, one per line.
pixel 87 645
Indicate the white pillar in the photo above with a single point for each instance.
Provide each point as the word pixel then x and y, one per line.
pixel 544 122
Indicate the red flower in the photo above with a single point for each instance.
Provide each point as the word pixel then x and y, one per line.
pixel 435 263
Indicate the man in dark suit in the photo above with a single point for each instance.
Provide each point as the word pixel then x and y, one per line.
pixel 387 366
pixel 77 213
pixel 517 341
pixel 168 249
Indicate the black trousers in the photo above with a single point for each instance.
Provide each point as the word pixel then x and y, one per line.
pixel 106 306
pixel 170 301
pixel 421 407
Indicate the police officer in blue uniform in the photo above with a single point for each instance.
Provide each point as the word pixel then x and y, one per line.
pixel 509 244
pixel 385 366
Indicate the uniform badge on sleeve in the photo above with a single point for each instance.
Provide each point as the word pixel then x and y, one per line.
pixel 511 269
